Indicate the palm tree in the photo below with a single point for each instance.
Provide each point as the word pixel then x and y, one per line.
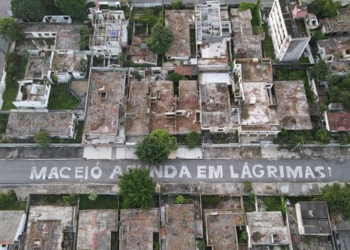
pixel 137 188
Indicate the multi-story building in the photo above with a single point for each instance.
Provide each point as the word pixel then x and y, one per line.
pixel 290 36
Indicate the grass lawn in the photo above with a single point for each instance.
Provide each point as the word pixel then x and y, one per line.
pixel 102 202
pixel 9 201
pixel 12 87
pixel 61 98
pixel 268 45
pixel 304 59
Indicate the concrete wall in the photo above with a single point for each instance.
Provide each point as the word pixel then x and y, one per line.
pixel 33 151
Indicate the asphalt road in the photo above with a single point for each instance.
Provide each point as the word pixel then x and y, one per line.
pixel 174 171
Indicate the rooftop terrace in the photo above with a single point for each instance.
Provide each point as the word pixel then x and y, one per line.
pixel 179 22
pixel 221 228
pixel 260 71
pixel 138 108
pixel 188 101
pixel 180 227
pixel 27 124
pixel 137 228
pixel 12 221
pixel 95 228
pixel 162 102
pixel 139 51
pixel 106 91
pixel 292 106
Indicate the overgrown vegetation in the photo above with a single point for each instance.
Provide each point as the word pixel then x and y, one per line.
pixel 180 199
pixel 161 38
pixel 248 186
pixel 193 139
pixel 249 203
pixel 324 8
pixel 210 200
pixel 61 98
pixel 9 201
pixel 85 32
pixel 3 122
pixel 15 69
pixel 71 199
pixel 10 30
pixel 339 90
pixel 101 202
pixel 269 51
pixel 337 198
pixel 43 138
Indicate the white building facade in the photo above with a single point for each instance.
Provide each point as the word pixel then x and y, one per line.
pixel 289 36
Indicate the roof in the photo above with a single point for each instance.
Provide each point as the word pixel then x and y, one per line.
pixel 67 35
pixel 164 102
pixel 260 71
pixel 95 226
pixel 213 53
pixel 12 221
pixel 338 47
pixel 339 121
pixel 38 66
pixel 139 51
pixel 186 70
pixel 246 45
pixel 46 224
pixel 255 112
pixel 314 216
pixel 138 108
pixel 179 22
pixel 215 100
pixel 221 228
pixel 106 92
pixel 137 228
pixel 180 227
pixel 67 62
pixel 338 24
pixel 27 124
pixel 188 102
pixel 267 228
pixel 292 106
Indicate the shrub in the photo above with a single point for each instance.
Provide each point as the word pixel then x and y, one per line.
pixel 193 140
pixel 180 199
pixel 71 199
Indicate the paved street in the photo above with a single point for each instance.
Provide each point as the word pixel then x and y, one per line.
pixel 179 171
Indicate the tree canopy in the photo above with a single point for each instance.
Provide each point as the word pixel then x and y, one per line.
pixel 323 8
pixel 156 147
pixel 319 71
pixel 339 90
pixel 10 30
pixel 74 8
pixel 193 139
pixel 137 188
pixel 28 9
pixel 161 38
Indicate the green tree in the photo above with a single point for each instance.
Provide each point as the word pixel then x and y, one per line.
pixel 10 30
pixel 180 199
pixel 201 245
pixel 74 8
pixel 193 140
pixel 43 138
pixel 178 5
pixel 28 9
pixel 243 238
pixel 161 38
pixel 137 187
pixel 166 138
pixel 152 151
pixel 323 8
pixel 85 32
pixel 337 198
pixel 319 71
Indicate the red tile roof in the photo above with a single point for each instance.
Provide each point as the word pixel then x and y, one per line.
pixel 339 121
pixel 186 70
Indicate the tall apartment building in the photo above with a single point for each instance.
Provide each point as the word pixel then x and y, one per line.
pixel 290 36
